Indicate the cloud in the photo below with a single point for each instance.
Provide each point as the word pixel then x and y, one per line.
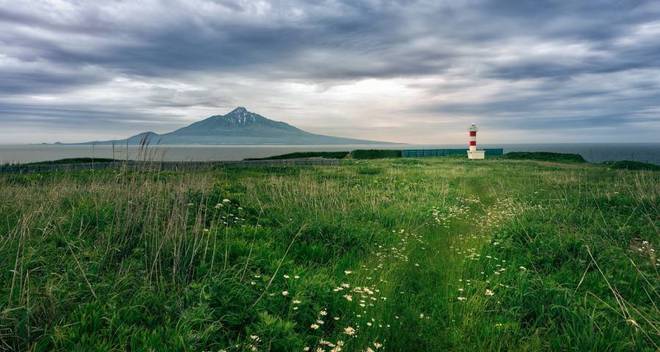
pixel 408 71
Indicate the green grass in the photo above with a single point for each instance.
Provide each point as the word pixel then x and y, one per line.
pixel 428 254
pixel 545 156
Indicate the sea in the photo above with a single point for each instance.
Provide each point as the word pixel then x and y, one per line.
pixel 19 154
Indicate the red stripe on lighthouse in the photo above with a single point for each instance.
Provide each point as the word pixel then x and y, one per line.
pixel 474 143
pixel 473 133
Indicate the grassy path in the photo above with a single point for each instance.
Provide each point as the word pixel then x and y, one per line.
pixel 419 282
pixel 427 287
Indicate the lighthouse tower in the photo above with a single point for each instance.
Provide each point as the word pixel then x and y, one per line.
pixel 473 153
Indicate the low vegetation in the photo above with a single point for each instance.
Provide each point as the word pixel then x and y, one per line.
pixel 631 165
pixel 298 155
pixel 355 154
pixel 375 154
pixel 545 156
pixel 73 161
pixel 428 254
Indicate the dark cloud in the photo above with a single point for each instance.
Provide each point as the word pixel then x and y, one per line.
pixel 526 64
pixel 82 118
pixel 34 82
pixel 567 103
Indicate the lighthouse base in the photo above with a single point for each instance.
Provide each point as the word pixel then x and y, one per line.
pixel 476 154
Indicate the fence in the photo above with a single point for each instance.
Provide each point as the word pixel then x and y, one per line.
pixel 417 153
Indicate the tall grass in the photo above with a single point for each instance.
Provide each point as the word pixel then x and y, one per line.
pixel 430 255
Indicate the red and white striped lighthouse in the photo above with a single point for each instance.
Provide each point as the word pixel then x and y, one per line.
pixel 473 137
pixel 472 152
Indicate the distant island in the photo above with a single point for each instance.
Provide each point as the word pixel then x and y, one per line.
pixel 238 127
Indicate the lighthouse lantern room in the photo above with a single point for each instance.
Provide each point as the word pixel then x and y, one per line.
pixel 473 153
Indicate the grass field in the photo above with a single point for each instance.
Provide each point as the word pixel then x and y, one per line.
pixel 399 255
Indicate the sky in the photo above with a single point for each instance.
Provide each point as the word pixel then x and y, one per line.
pixel 403 71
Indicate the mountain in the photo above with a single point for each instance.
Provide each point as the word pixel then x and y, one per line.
pixel 239 126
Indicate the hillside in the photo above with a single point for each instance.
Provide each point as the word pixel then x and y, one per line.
pixel 238 127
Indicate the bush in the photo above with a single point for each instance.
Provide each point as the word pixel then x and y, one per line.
pixel 545 156
pixel 298 155
pixel 375 154
pixel 631 165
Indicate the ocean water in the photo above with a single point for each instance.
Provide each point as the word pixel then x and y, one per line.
pixel 647 152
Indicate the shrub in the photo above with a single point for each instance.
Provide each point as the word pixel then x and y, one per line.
pixel 631 165
pixel 545 156
pixel 375 154
pixel 298 155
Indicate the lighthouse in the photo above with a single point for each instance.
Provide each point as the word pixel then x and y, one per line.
pixel 473 153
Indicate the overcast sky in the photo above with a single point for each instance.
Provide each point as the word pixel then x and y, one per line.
pixel 404 71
